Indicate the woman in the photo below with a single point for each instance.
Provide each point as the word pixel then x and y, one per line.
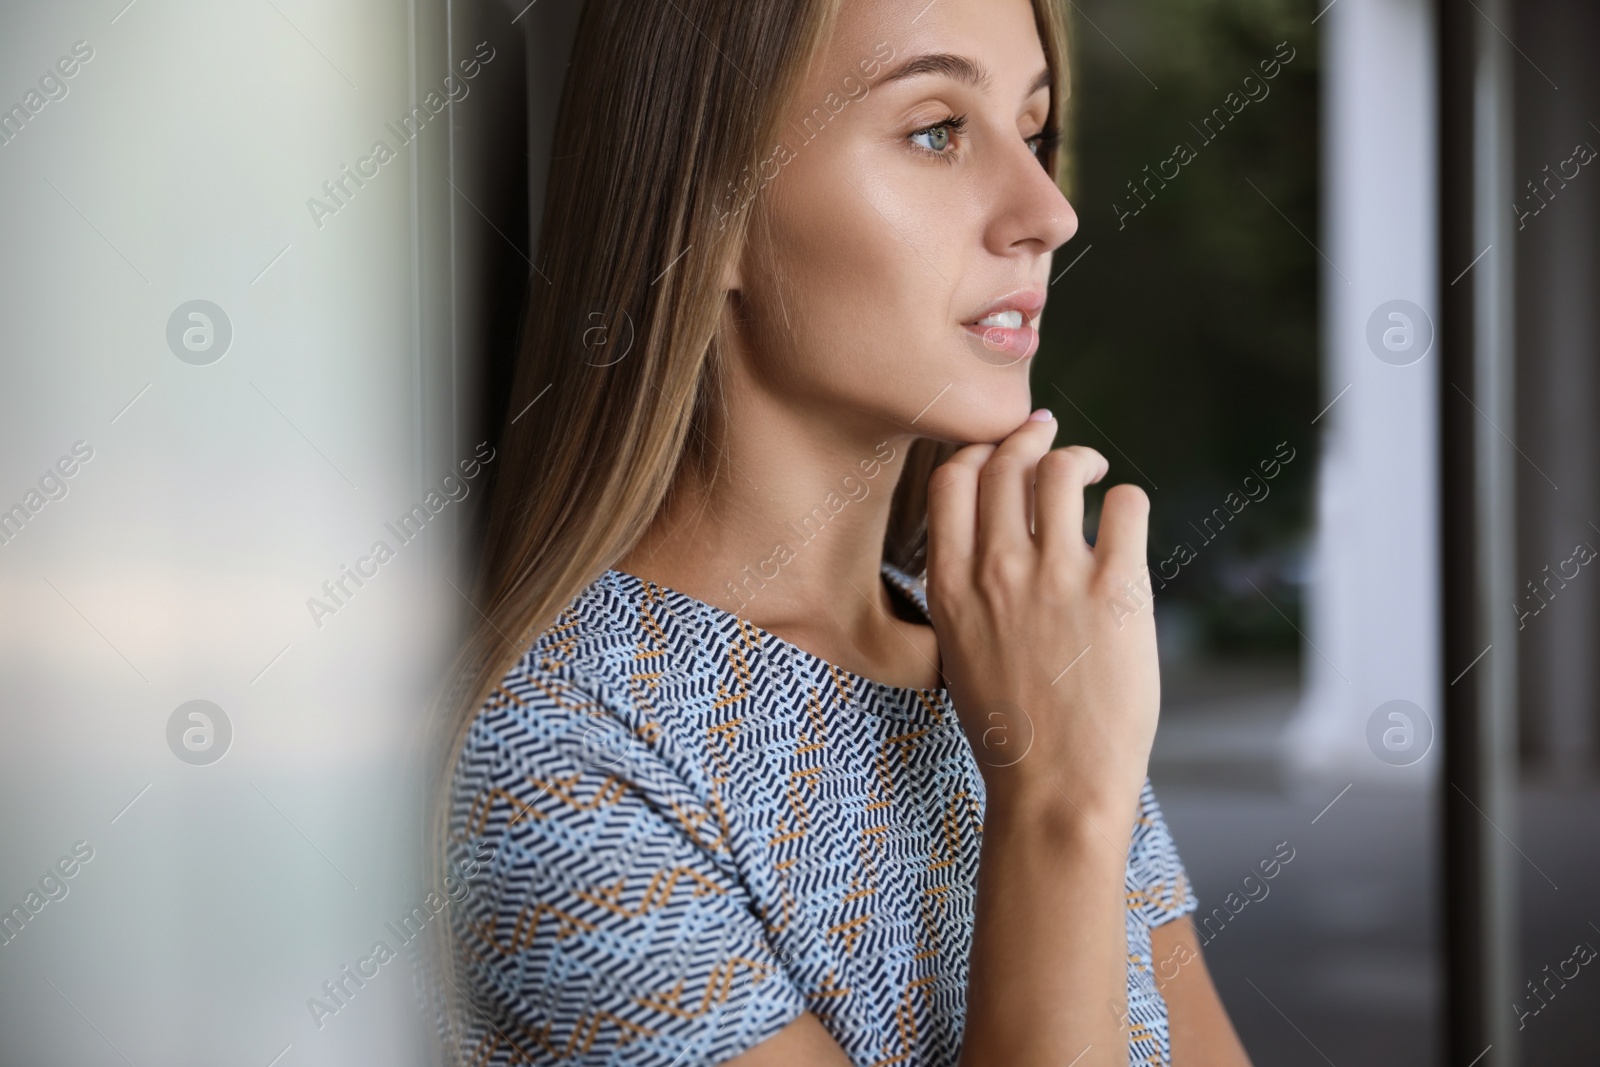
pixel 744 792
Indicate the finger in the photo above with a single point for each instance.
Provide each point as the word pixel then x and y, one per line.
pixel 1059 482
pixel 953 506
pixel 1124 522
pixel 1006 483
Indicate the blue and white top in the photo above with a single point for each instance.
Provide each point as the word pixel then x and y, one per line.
pixel 699 831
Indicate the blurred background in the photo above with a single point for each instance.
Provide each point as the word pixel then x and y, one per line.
pixel 1229 305
pixel 1202 346
pixel 1333 302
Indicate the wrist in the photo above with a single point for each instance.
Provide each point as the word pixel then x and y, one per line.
pixel 1040 810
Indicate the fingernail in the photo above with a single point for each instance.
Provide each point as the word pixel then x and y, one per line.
pixel 1042 415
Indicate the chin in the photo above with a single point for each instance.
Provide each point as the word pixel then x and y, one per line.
pixel 984 409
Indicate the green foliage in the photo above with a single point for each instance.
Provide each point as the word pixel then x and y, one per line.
pixel 1183 345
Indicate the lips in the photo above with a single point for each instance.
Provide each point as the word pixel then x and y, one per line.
pixel 1010 324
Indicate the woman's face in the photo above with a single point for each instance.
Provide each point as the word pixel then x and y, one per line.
pixel 899 282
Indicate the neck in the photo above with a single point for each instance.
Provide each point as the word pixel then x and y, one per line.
pixel 785 529
pixel 788 527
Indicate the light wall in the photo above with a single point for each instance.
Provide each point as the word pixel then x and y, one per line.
pixel 214 492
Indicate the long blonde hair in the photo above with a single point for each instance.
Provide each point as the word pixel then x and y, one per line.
pixel 658 123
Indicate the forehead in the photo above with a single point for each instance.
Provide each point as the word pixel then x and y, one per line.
pixel 1000 34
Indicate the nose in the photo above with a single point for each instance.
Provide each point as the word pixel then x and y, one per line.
pixel 1031 214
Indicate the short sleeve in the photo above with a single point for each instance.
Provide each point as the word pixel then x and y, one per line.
pixel 611 925
pixel 1157 884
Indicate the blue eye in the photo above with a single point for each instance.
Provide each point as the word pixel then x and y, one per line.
pixel 1044 141
pixel 935 139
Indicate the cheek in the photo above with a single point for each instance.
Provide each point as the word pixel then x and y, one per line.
pixel 858 256
pixel 852 293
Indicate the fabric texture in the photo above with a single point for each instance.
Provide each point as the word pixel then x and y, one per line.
pixel 699 831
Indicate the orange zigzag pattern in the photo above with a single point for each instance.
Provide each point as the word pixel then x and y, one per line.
pixel 656 895
pixel 579 1041
pixel 718 985
pixel 528 925
pixel 562 788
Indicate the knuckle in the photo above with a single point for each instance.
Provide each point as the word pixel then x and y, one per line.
pixel 1090 455
pixel 1060 463
pixel 1000 465
pixel 1000 571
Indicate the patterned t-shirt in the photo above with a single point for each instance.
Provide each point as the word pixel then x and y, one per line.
pixel 700 831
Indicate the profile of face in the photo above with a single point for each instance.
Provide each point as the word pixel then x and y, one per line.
pixel 898 282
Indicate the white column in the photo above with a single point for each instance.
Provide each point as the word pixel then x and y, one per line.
pixel 1373 606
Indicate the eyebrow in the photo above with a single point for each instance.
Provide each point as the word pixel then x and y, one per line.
pixel 959 68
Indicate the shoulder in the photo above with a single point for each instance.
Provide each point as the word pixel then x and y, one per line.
pixel 586 665
pixel 594 722
pixel 612 913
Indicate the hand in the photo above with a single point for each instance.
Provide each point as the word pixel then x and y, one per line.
pixel 1048 644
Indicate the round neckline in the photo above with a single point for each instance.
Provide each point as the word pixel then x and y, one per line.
pixel 710 613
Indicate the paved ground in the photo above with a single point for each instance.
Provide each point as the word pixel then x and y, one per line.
pixel 1339 962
